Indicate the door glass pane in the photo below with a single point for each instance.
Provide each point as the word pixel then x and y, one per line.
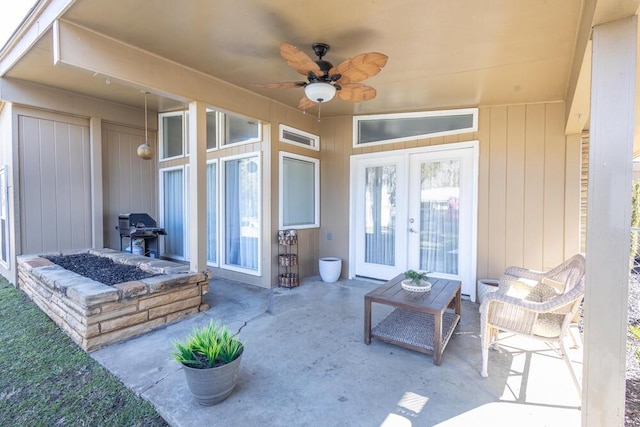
pixel 212 213
pixel 439 216
pixel 173 214
pixel 242 220
pixel 380 215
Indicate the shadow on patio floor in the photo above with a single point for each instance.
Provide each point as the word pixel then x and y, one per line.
pixel 306 364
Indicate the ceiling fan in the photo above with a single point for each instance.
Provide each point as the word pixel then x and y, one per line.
pixel 324 80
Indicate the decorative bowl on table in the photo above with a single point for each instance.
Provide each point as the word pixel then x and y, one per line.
pixel 411 286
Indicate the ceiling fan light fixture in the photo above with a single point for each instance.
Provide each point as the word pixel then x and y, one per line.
pixel 320 92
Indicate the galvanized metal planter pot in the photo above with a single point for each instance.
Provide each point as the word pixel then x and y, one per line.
pixel 213 385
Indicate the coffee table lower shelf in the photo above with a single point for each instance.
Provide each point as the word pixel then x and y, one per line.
pixel 414 330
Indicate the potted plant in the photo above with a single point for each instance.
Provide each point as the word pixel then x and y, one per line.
pixel 416 281
pixel 211 359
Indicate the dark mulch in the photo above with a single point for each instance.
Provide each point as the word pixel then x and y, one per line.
pixel 98 268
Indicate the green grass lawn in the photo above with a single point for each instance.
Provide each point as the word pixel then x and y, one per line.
pixel 47 380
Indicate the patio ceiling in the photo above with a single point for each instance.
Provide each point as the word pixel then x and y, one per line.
pixel 441 54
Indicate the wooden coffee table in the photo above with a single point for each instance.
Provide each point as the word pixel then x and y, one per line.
pixel 422 322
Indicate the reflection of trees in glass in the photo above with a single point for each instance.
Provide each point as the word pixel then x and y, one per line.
pixel 445 173
pixel 380 214
pixel 249 188
pixel 439 216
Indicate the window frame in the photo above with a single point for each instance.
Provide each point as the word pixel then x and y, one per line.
pixel 315 138
pixel 218 136
pixel 216 262
pixel 316 190
pixel 161 131
pixel 223 132
pixel 419 114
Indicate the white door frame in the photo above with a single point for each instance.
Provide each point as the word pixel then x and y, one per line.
pixel 468 286
pixel 391 159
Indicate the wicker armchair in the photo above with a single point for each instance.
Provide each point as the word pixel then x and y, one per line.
pixel 540 305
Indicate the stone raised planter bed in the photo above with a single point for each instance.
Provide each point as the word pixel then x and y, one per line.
pixel 94 314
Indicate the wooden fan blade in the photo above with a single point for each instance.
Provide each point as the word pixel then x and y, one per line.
pixel 360 67
pixel 356 92
pixel 285 85
pixel 305 103
pixel 298 60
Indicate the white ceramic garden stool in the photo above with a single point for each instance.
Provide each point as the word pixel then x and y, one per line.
pixel 330 269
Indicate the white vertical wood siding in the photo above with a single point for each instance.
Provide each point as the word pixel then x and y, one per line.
pixel 129 183
pixel 55 198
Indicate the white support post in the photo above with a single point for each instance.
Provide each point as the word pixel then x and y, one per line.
pixel 97 207
pixel 613 93
pixel 197 186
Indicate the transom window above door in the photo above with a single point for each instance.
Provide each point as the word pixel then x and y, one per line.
pixel 389 128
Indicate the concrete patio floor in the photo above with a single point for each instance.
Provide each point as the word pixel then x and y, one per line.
pixel 306 364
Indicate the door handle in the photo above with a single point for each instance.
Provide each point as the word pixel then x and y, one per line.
pixel 411 230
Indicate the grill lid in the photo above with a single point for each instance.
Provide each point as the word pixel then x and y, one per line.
pixel 138 224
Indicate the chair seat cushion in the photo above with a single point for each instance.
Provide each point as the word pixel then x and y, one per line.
pixel 558 285
pixel 548 325
pixel 515 287
pixel 542 292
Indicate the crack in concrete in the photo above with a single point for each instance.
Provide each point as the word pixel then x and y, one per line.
pixel 158 381
pixel 246 322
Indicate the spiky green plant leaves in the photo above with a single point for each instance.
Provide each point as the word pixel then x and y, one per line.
pixel 209 346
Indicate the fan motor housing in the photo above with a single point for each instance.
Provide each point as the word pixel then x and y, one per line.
pixel 320 49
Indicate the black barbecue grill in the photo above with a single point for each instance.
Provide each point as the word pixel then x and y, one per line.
pixel 134 226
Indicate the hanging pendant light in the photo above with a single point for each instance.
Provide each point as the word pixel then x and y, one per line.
pixel 144 150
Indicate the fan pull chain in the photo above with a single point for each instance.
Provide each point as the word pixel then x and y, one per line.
pixel 319 109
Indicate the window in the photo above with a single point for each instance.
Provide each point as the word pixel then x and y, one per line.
pixel 297 137
pixel 386 128
pixel 241 224
pixel 228 128
pixel 240 130
pixel 212 129
pixel 173 215
pixel 212 213
pixel 174 202
pixel 172 135
pixel 299 191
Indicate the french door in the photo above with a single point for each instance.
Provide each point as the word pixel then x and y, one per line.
pixel 416 209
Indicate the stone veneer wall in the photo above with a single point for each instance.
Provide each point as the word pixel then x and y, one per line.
pixel 94 314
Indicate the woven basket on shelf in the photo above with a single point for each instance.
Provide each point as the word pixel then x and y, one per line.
pixel 288 260
pixel 288 240
pixel 288 280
